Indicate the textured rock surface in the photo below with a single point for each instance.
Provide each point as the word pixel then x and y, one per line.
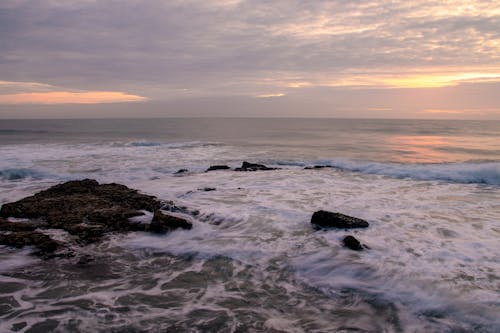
pixel 352 243
pixel 162 223
pixel 246 166
pixel 84 209
pixel 218 167
pixel 327 219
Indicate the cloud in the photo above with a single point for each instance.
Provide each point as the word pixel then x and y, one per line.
pixel 67 97
pixel 175 49
pixel 470 111
pixel 12 92
pixel 270 95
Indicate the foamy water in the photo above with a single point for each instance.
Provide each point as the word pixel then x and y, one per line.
pixel 252 262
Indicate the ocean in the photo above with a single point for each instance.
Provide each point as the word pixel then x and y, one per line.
pixel 430 190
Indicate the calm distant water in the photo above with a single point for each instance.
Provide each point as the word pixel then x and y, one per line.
pixel 407 141
pixel 252 263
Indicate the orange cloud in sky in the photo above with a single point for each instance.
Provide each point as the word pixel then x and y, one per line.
pixel 67 97
pixel 270 95
pixel 439 80
pixel 464 111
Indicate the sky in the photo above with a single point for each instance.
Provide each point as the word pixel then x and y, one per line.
pixel 231 58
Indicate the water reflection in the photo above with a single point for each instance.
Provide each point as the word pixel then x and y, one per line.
pixel 440 149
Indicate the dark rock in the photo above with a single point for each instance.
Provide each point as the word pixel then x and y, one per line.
pixel 246 166
pixel 82 208
pixel 181 171
pixel 162 223
pixel 74 200
pixel 207 189
pixel 21 226
pixel 352 243
pixel 317 167
pixel 337 220
pixel 218 167
pixel 24 238
pixel 87 233
pixel 172 207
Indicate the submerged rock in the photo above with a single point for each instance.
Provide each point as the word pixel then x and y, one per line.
pixel 217 167
pixel 162 223
pixel 352 243
pixel 247 166
pixel 83 208
pixel 327 219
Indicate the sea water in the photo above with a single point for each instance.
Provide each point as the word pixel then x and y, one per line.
pixel 252 262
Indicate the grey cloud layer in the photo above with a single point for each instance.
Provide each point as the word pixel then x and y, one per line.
pixel 158 47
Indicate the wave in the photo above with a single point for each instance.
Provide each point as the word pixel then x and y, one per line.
pixel 466 172
pixel 143 144
pixel 19 131
pixel 17 174
pixel 189 144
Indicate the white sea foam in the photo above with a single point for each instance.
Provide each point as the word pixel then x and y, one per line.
pixel 14 259
pixel 481 173
pixel 426 238
pixel 433 237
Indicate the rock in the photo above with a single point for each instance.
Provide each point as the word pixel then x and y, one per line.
pixel 217 167
pixel 74 200
pixel 162 223
pixel 23 238
pixel 171 207
pixel 207 189
pixel 246 166
pixel 180 171
pixel 83 208
pixel 337 220
pixel 317 167
pixel 20 226
pixel 352 243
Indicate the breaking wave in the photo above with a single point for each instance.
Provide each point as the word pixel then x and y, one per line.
pixel 189 144
pixel 17 174
pixel 467 172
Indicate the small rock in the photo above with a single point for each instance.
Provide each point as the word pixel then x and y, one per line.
pixel 207 189
pixel 181 171
pixel 337 220
pixel 217 167
pixel 247 166
pixel 352 243
pixel 162 223
pixel 317 167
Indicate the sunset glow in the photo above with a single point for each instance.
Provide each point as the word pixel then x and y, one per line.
pixel 440 80
pixel 270 95
pixel 318 58
pixel 66 97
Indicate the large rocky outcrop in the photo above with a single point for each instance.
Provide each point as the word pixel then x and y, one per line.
pixel 83 208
